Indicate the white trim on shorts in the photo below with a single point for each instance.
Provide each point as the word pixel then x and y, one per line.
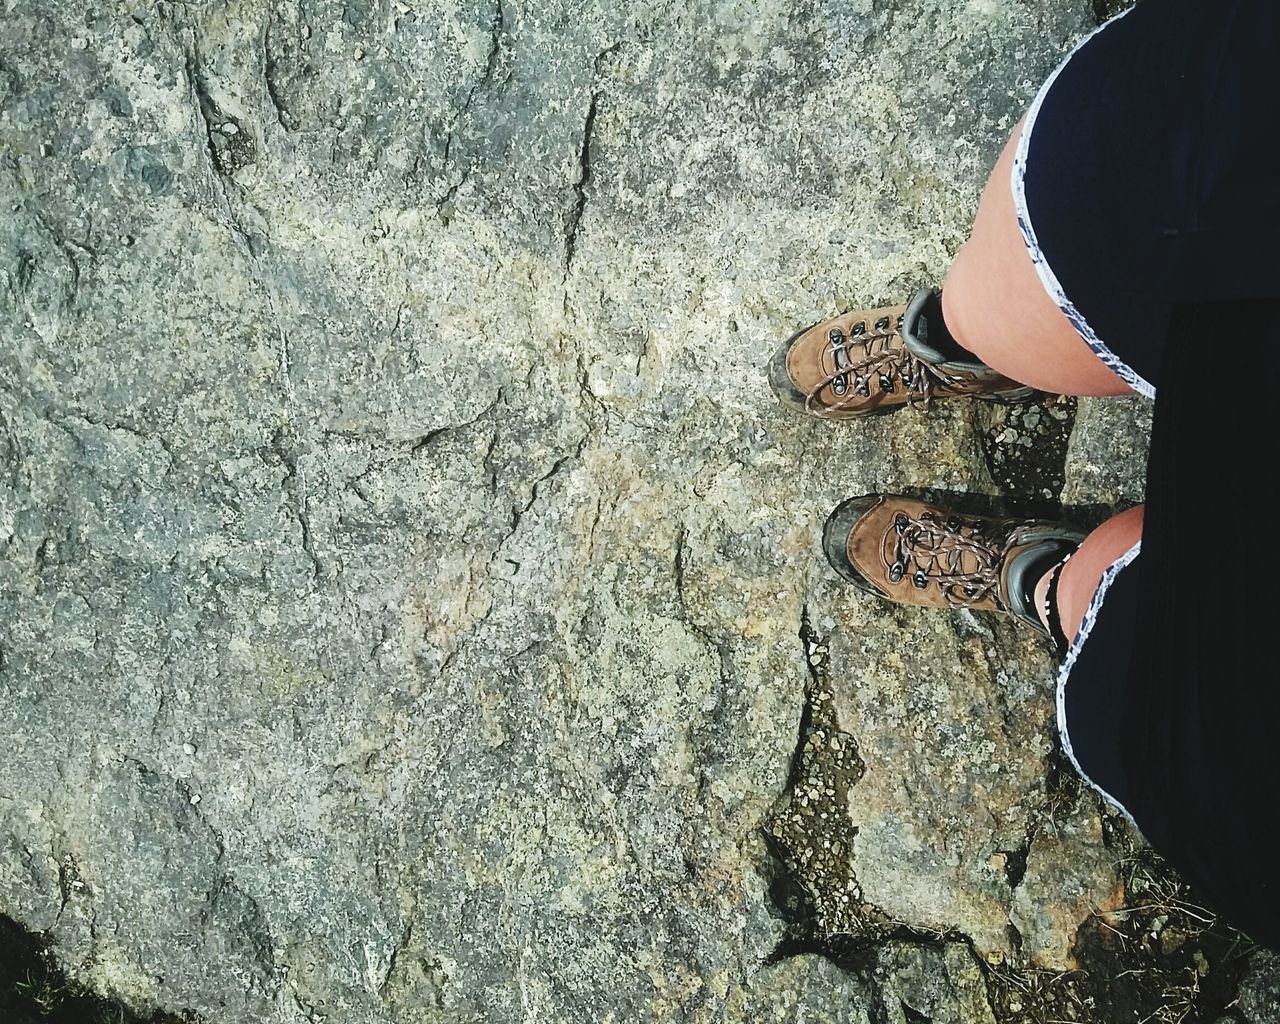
pixel 1053 287
pixel 1045 272
pixel 1064 670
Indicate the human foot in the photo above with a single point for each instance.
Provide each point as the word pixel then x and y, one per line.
pixel 878 360
pixel 913 552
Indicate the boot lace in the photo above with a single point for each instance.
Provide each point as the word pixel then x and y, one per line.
pixel 953 553
pixel 859 356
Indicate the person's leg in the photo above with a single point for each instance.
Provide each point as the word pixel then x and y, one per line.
pixel 995 306
pixel 914 552
pixel 1084 570
pixel 996 334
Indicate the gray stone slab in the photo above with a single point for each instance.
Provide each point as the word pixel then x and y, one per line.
pixel 402 561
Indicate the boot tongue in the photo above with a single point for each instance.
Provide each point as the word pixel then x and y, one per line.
pixel 923 322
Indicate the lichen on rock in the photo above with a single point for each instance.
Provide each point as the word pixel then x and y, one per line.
pixel 402 560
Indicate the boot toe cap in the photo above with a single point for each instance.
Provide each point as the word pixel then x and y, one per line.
pixel 835 540
pixel 781 382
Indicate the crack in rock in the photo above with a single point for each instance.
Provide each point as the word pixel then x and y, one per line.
pixel 497 30
pixel 718 647
pixel 574 220
pixel 812 832
pixel 295 482
pixel 229 146
pixel 519 511
pixel 270 72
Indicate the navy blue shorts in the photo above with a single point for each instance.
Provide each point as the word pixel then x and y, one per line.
pixel 1148 191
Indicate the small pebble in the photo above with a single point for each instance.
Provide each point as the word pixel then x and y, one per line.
pixel 188 748
pixel 195 798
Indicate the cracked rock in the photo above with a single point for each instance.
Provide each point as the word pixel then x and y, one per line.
pixel 1071 881
pixel 918 984
pixel 401 555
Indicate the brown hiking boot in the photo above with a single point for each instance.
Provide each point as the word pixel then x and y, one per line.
pixel 878 360
pixel 911 552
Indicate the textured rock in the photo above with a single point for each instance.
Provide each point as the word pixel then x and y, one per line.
pixel 944 985
pixel 1109 453
pixel 401 559
pixel 955 752
pixel 1260 994
pixel 1070 877
pixel 801 990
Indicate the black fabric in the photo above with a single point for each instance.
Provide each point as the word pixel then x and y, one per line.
pixel 1096 688
pixel 1153 186
pixel 932 329
pixel 1156 181
pixel 1200 750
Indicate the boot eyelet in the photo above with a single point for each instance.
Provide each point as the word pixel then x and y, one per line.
pixel 886 383
pixel 896 572
pixel 858 329
pixel 862 388
pixel 920 580
pixel 882 324
pixel 901 520
pixel 839 385
pixel 954 523
pixel 835 336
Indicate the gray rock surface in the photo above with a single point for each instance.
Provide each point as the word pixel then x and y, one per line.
pixel 1260 994
pixel 943 986
pixel 1109 452
pixel 402 562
